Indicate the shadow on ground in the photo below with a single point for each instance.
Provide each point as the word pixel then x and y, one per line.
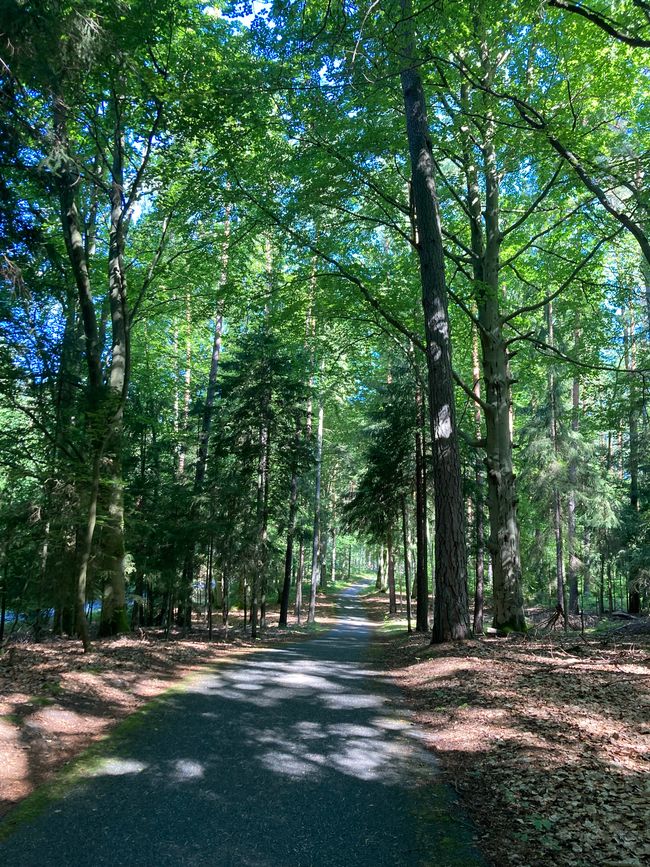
pixel 292 756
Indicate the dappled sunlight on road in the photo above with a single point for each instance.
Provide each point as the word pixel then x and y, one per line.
pixel 327 713
pixel 303 738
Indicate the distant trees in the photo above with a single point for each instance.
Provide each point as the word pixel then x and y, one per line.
pixel 387 476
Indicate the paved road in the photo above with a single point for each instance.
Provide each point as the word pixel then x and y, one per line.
pixel 291 757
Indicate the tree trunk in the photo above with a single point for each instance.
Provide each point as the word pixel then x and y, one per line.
pixel 421 548
pixel 633 593
pixel 187 383
pixel 315 548
pixel 114 613
pixel 258 599
pixel 3 592
pixel 299 579
pixel 477 625
pixel 208 588
pixel 502 496
pixel 392 597
pixel 322 558
pixel 557 500
pixel 407 574
pixel 573 481
pixel 206 418
pixel 451 617
pixel 288 557
pixel 84 559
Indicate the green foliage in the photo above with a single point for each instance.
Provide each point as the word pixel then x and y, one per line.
pixel 266 171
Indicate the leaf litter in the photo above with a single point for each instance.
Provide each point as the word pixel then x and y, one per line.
pixel 546 740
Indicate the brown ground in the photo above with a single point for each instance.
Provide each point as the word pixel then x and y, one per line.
pixel 547 739
pixel 55 700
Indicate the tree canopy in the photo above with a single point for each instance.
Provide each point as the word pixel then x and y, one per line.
pixel 279 273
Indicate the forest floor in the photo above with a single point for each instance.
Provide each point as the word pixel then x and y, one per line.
pixel 55 700
pixel 546 739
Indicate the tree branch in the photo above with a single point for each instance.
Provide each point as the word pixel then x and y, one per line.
pixel 603 22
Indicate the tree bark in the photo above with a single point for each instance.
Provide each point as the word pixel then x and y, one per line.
pixel 258 598
pixel 390 556
pixel 187 384
pixel 407 571
pixel 557 500
pixel 105 406
pixel 477 625
pixel 299 579
pixel 486 241
pixel 421 553
pixel 315 548
pixel 451 617
pixel 633 593
pixel 206 422
pixel 291 530
pixel 573 483
pixel 114 614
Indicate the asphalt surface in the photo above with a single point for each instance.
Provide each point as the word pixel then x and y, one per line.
pixel 291 757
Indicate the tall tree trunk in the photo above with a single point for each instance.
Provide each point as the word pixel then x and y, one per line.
pixel 105 407
pixel 333 531
pixel 645 270
pixel 187 384
pixel 633 593
pixel 407 572
pixel 477 625
pixel 421 567
pixel 291 530
pixel 299 579
pixel 259 581
pixel 208 407
pixel 86 551
pixel 573 483
pixel 322 556
pixel 208 587
pixel 3 591
pixel 486 248
pixel 77 255
pixel 390 556
pixel 451 616
pixel 557 500
pixel 114 614
pixel 206 422
pixel 315 548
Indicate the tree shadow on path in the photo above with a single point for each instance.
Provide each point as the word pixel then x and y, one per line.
pixel 292 756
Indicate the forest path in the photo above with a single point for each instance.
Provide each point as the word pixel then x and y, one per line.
pixel 290 757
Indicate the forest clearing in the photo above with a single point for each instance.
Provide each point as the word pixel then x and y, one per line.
pixel 294 294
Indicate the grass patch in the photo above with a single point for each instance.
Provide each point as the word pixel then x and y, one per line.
pixel 41 700
pixel 391 627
